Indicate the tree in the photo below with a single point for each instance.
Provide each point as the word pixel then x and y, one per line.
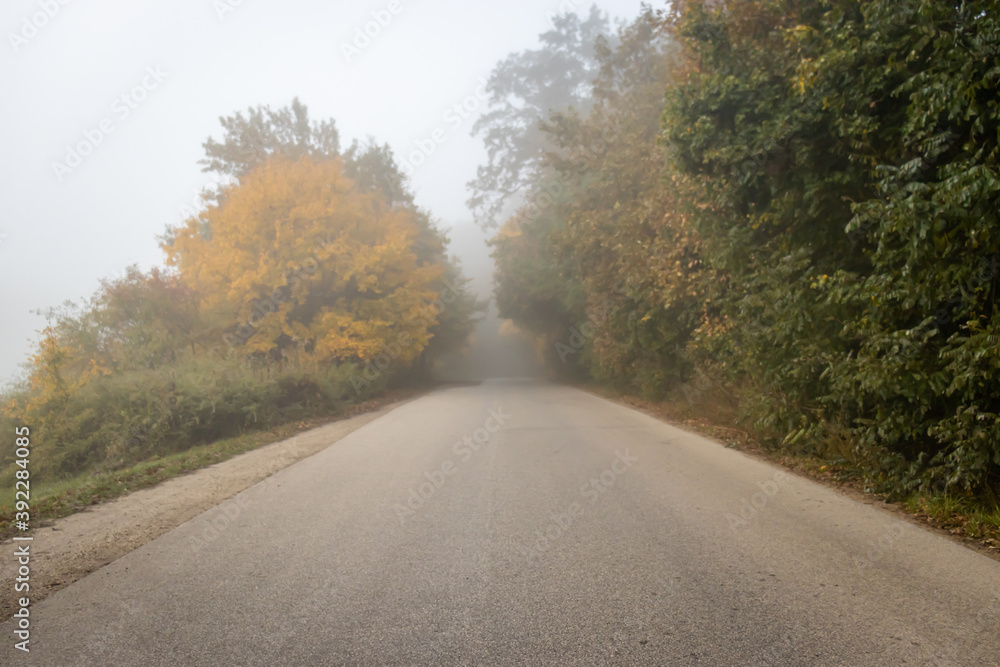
pixel 288 133
pixel 767 186
pixel 296 258
pixel 373 168
pixel 537 289
pixel 636 257
pixel 525 89
pixel 318 271
pixel 253 139
pixel 914 83
pixel 598 265
pixel 823 240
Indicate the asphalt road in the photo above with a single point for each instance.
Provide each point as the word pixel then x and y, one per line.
pixel 578 532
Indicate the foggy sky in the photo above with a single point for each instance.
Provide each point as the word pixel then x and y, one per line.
pixel 147 83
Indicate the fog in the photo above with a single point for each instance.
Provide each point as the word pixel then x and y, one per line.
pixel 108 104
pixel 493 350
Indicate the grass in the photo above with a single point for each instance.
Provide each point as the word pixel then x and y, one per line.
pixel 61 498
pixel 959 515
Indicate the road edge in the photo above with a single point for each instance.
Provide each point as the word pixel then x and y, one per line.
pixel 49 577
pixel 782 461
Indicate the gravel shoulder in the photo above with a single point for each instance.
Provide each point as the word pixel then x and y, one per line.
pixel 72 547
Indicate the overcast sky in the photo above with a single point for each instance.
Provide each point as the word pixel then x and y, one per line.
pixel 146 83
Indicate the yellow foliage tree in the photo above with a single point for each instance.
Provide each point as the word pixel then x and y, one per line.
pixel 59 370
pixel 296 258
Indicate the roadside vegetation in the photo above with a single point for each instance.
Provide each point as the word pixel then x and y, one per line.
pixel 791 209
pixel 52 500
pixel 305 283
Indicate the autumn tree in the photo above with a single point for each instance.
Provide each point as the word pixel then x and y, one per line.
pixel 298 259
pixel 634 254
pixel 599 263
pixel 289 133
pixel 308 279
pixel 136 324
pixel 262 133
pixel 815 228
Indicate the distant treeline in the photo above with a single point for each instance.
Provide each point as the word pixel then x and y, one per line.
pixel 305 281
pixel 792 203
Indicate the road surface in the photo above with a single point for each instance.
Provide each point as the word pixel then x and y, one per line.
pixel 517 522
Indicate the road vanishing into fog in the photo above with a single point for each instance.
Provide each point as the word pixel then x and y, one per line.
pixel 517 522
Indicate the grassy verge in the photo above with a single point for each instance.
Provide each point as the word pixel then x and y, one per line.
pixel 970 518
pixel 64 497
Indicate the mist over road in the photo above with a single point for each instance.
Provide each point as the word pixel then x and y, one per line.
pixel 518 522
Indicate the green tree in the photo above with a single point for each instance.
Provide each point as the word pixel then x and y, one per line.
pixel 914 84
pixel 767 186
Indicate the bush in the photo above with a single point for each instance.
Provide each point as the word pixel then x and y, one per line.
pixel 116 421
